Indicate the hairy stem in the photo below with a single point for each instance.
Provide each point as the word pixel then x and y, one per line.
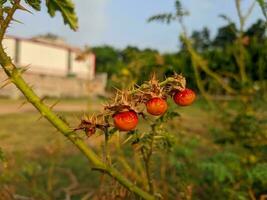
pixel 15 77
pixel 147 159
pixel 5 23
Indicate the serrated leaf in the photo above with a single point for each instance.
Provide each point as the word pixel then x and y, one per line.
pixel 66 8
pixel 2 156
pixel 263 5
pixel 2 2
pixel 168 116
pixel 226 18
pixel 112 131
pixel 35 4
pixel 165 18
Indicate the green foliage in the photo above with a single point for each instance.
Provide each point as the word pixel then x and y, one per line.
pixel 263 5
pixel 2 156
pixel 169 17
pixel 245 126
pixel 2 2
pixel 35 4
pixel 66 8
pixel 215 172
pixel 125 66
pixel 258 174
pixel 107 59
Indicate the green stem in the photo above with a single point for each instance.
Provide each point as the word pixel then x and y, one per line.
pixel 145 86
pixel 8 19
pixel 147 158
pixel 45 111
pixel 15 76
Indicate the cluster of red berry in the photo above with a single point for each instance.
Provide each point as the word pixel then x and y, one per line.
pixel 127 105
pixel 157 106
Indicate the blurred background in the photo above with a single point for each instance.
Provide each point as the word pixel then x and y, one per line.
pixel 218 146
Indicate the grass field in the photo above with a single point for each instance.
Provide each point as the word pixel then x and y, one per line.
pixel 41 163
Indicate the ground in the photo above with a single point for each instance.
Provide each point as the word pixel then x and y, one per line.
pixel 33 147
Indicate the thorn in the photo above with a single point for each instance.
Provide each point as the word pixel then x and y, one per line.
pixel 23 8
pixel 76 118
pixel 22 104
pixel 6 79
pixel 54 104
pixel 31 86
pixel 24 69
pixel 5 84
pixel 56 131
pixel 39 118
pixel 117 89
pixel 125 141
pixel 42 99
pixel 15 20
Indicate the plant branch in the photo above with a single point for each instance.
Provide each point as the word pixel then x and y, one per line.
pixel 15 76
pixel 202 63
pixel 147 158
pixel 5 23
pixel 249 11
pixel 240 15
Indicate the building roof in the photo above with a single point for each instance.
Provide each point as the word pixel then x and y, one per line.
pixel 46 42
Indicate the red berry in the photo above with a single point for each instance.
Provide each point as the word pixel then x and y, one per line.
pixel 185 97
pixel 156 106
pixel 125 121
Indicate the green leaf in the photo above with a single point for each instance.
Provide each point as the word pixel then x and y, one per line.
pixel 35 4
pixel 2 2
pixel 2 156
pixel 165 18
pixel 66 8
pixel 168 116
pixel 263 5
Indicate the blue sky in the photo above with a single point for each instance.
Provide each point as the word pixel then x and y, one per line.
pixel 123 22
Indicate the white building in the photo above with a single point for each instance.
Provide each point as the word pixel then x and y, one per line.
pixel 50 57
pixel 53 68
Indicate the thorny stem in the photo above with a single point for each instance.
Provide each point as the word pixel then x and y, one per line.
pixel 145 86
pixel 147 158
pixel 240 57
pixel 5 23
pixel 239 13
pixel 106 148
pixel 197 63
pixel 15 76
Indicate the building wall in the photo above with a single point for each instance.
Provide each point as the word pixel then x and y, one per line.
pixel 10 47
pixel 49 59
pixel 48 69
pixel 44 59
pixel 78 69
pixel 57 86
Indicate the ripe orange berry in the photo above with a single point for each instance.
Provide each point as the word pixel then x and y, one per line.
pixel 125 121
pixel 156 106
pixel 185 97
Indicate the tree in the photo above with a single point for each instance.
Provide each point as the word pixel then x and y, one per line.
pixel 107 59
pixel 226 35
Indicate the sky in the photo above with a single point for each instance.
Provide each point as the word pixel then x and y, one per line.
pixel 124 22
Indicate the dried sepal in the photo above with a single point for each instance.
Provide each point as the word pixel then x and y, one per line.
pixel 151 90
pixel 122 101
pixel 176 83
pixel 92 123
